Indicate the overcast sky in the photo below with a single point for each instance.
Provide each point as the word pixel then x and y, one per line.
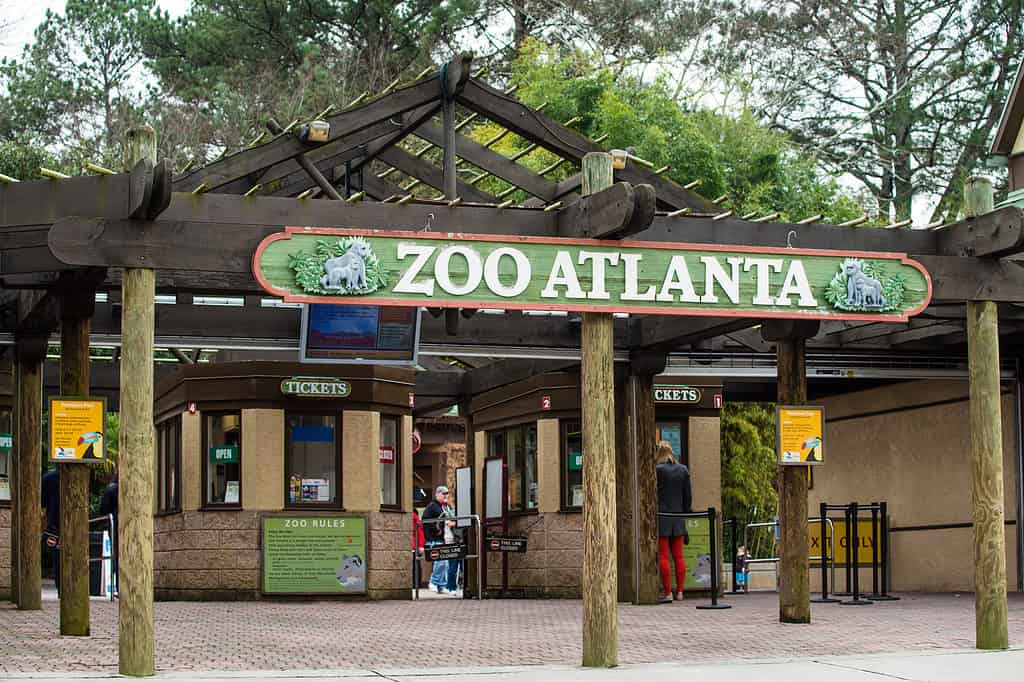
pixel 27 14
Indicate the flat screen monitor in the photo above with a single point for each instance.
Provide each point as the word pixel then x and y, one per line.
pixel 367 334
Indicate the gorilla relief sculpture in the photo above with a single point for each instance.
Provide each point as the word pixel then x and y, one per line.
pixel 862 290
pixel 349 269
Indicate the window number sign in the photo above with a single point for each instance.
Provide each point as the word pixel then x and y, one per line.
pixel 545 402
pixel 387 454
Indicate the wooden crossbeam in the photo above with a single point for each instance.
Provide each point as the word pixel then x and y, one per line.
pixel 562 140
pixel 999 233
pixel 430 174
pixel 494 163
pixel 345 123
pixel 673 332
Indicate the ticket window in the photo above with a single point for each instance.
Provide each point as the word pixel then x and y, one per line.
pixel 312 461
pixel 223 465
pixel 518 446
pixel 675 431
pixel 390 462
pixel 572 465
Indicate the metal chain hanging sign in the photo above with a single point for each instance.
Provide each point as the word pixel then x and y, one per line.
pixel 318 265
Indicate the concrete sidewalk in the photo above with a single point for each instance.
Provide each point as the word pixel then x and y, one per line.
pixel 939 666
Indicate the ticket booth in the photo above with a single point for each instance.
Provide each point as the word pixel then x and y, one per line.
pixel 283 479
pixel 529 471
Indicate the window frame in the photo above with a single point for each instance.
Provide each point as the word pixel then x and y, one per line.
pixel 564 428
pixel 398 419
pixel 524 490
pixel 314 506
pixel 9 411
pixel 205 503
pixel 168 432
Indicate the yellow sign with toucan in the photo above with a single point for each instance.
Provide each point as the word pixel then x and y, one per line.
pixel 801 434
pixel 76 429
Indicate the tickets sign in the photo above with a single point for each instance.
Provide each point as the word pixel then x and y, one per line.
pixel 369 267
pixel 801 434
pixel 76 429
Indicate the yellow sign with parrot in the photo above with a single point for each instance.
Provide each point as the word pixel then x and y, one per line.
pixel 76 429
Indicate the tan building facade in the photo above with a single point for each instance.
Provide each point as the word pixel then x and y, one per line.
pixel 235 447
pixel 535 426
pixel 909 445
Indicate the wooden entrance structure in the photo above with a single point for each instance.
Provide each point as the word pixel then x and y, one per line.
pixel 148 230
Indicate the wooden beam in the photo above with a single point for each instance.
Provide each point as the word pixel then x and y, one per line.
pixel 494 163
pixel 999 233
pixel 44 201
pixel 285 147
pixel 661 331
pixel 606 214
pixel 431 175
pixel 923 330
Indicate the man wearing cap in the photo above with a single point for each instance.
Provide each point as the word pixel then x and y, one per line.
pixel 435 532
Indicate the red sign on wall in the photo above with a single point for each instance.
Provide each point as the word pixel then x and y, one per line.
pixel 545 402
pixel 387 454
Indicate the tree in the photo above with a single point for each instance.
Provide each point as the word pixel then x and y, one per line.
pixel 73 85
pixel 749 467
pixel 759 169
pixel 901 94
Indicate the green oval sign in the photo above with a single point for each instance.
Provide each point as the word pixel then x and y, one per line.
pixel 316 387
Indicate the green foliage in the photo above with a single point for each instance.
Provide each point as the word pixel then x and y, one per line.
pixel 309 267
pixel 758 168
pixel 22 162
pixel 749 466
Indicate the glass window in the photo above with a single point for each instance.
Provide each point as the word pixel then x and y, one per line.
pixel 518 445
pixel 390 461
pixel 168 450
pixel 675 432
pixel 312 460
pixel 6 447
pixel 222 466
pixel 572 465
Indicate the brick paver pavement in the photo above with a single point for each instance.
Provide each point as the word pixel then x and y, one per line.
pixel 271 635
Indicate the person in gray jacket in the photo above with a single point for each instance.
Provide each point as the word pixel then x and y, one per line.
pixel 674 497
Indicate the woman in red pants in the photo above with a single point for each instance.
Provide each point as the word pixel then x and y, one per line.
pixel 674 497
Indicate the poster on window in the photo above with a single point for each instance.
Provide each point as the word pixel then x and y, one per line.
pixel 314 554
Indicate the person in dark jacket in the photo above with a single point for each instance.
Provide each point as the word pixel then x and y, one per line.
pixel 436 533
pixel 51 534
pixel 108 505
pixel 674 497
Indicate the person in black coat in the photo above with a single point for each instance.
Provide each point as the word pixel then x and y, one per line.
pixel 50 498
pixel 674 497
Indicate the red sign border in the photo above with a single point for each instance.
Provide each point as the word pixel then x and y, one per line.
pixel 597 243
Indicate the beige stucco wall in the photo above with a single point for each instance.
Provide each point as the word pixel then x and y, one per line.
pixel 191 461
pixel 918 461
pixel 407 464
pixel 262 459
pixel 480 452
pixel 1018 145
pixel 360 460
pixel 548 466
pixel 705 445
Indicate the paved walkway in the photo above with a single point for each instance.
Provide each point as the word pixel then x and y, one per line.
pixel 272 635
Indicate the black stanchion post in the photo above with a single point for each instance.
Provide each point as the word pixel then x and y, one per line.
pixel 735 553
pixel 883 512
pixel 846 538
pixel 716 559
pixel 856 601
pixel 874 552
pixel 824 599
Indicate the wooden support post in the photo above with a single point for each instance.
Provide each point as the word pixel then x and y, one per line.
pixel 990 617
pixel 135 497
pixel 75 323
pixel 625 489
pixel 642 387
pixel 472 568
pixel 31 352
pixel 600 624
pixel 794 579
pixel 13 482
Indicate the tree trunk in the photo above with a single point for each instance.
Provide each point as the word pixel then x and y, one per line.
pixel 600 619
pixel 794 580
pixel 74 485
pixel 135 491
pixel 27 441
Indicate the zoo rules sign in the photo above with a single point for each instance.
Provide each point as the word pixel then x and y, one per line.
pixel 315 265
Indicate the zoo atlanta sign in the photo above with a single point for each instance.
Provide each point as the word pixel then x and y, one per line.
pixel 371 267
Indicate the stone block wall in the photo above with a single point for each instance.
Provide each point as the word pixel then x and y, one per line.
pixel 211 555
pixel 552 565
pixel 206 555
pixel 5 553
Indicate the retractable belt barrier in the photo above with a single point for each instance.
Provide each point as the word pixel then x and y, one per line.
pixel 108 555
pixel 716 566
pixel 452 552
